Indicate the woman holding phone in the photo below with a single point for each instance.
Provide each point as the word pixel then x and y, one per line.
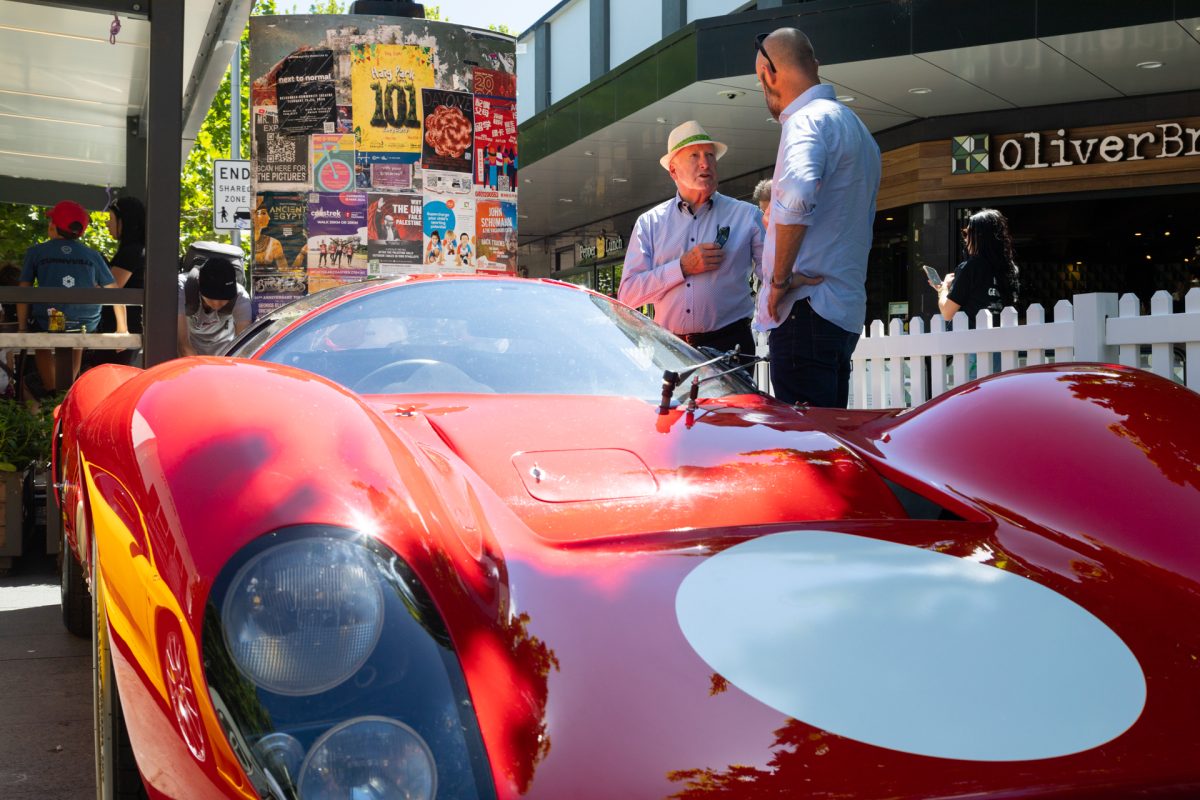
pixel 989 276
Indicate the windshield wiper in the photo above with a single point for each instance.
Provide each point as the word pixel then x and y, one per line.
pixel 672 379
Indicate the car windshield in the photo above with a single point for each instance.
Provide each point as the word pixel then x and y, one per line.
pixel 490 336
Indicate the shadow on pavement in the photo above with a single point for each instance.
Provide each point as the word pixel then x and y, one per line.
pixel 45 690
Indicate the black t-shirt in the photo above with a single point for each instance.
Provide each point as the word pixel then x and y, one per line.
pixel 130 257
pixel 975 288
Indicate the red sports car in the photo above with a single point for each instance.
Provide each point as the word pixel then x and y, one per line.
pixel 474 538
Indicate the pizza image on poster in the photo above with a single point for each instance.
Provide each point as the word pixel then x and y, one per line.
pixel 305 94
pixel 393 231
pixel 496 232
pixel 495 143
pixel 332 162
pixel 449 130
pixel 386 84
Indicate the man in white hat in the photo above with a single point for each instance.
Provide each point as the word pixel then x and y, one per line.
pixel 691 256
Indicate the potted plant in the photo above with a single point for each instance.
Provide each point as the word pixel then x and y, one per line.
pixel 25 435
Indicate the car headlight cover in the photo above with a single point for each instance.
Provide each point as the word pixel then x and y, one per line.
pixel 303 616
pixel 369 757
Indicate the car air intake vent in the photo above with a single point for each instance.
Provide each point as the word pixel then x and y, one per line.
pixel 919 507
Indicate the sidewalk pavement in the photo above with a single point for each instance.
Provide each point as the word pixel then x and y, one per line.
pixel 45 691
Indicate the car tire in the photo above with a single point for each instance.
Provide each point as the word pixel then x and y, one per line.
pixel 117 776
pixel 76 604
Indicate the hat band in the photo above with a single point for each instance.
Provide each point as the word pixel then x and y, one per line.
pixel 699 137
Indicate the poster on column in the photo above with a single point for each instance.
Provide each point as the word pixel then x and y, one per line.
pixel 450 218
pixel 279 238
pixel 493 83
pixel 496 231
pixel 449 130
pixel 279 160
pixel 449 228
pixel 393 233
pixel 332 162
pixel 393 81
pixel 495 143
pixel 279 250
pixel 305 95
pixel 386 84
pixel 272 290
pixel 336 239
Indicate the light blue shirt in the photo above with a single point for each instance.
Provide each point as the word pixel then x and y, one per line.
pixel 826 177
pixel 697 303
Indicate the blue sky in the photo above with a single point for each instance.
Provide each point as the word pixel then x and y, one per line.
pixel 518 15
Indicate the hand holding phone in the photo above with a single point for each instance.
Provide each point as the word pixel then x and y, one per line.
pixel 935 279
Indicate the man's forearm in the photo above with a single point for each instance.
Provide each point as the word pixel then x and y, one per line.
pixel 787 247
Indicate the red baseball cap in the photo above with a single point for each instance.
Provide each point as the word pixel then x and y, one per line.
pixel 67 215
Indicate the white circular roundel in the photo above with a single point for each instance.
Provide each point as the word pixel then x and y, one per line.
pixel 910 649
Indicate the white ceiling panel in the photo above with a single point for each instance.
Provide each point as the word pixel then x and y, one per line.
pixel 891 79
pixel 66 90
pixel 1026 73
pixel 1192 26
pixel 1113 56
pixel 74 111
pixel 87 171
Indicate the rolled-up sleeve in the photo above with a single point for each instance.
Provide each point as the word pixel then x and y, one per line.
pixel 796 186
pixel 643 281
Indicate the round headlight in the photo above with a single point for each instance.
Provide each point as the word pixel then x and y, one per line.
pixel 304 616
pixel 369 757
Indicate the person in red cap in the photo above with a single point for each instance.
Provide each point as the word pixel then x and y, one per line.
pixel 65 262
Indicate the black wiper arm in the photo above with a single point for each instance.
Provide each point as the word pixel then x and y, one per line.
pixel 672 379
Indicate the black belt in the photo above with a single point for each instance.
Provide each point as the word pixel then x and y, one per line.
pixel 691 338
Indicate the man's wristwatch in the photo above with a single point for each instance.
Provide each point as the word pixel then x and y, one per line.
pixel 785 283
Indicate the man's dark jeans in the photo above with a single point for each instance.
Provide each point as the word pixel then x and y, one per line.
pixel 810 359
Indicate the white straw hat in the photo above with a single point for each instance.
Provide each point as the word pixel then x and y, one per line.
pixel 686 135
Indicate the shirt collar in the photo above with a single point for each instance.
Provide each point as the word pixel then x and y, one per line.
pixel 820 91
pixel 682 206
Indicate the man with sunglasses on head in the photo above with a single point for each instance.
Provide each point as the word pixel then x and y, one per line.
pixel 814 299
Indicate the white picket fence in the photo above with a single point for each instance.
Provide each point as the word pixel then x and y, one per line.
pixel 895 369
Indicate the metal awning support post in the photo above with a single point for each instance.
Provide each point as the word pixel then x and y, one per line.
pixel 164 136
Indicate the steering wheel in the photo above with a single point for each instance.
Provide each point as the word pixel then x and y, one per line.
pixel 375 379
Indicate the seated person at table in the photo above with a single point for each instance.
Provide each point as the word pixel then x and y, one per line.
pixel 67 263
pixel 214 308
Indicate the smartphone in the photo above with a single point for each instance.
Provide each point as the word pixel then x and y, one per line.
pixel 933 276
pixel 722 236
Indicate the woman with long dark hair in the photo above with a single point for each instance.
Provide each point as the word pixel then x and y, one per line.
pixel 126 224
pixel 989 277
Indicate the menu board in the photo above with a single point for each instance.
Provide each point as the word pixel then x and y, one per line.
pixel 381 146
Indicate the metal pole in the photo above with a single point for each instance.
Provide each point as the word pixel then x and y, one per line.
pixel 164 134
pixel 235 118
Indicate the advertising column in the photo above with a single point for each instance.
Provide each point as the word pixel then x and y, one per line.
pixel 381 146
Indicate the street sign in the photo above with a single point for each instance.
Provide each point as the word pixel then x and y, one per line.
pixel 231 195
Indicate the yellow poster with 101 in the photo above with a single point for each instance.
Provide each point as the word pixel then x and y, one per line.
pixel 386 82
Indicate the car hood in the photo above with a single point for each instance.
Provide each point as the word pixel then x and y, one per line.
pixel 584 468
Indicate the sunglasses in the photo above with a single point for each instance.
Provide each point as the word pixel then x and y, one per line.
pixel 758 45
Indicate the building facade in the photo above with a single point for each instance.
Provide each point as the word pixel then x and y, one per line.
pixel 1079 121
